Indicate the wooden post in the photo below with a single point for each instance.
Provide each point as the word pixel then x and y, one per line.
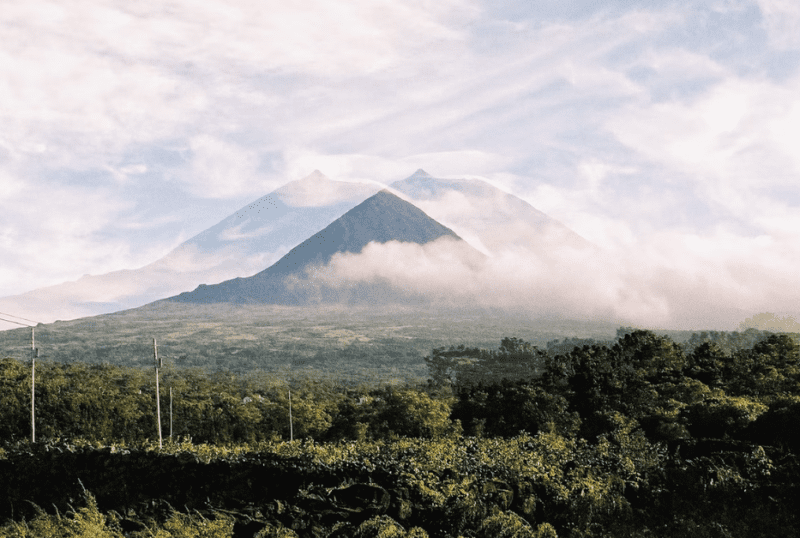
pixel 170 413
pixel 33 387
pixel 291 427
pixel 158 394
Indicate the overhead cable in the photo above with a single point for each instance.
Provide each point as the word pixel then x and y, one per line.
pixel 18 317
pixel 17 322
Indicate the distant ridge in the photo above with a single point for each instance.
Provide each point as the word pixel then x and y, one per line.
pixel 381 218
pixel 282 218
pixel 242 244
pixel 487 217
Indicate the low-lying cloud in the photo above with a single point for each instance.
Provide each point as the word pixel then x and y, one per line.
pixel 671 282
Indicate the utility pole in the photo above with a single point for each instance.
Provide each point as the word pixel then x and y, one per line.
pixel 158 364
pixel 34 354
pixel 291 428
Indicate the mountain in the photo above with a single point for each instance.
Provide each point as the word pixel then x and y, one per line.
pixel 381 218
pixel 489 218
pixel 260 233
pixel 279 220
pixel 250 239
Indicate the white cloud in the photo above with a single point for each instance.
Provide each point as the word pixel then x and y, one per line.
pixel 103 75
pixel 81 105
pixel 668 281
pixel 691 137
pixel 186 266
pixel 782 22
pixel 728 145
pixel 134 169
pixel 458 163
pixel 222 170
pixel 785 131
pixel 300 162
pixel 51 231
pixel 10 186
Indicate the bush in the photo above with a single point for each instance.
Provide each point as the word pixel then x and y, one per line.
pixel 87 522
pixel 510 525
pixel 275 532
pixel 386 527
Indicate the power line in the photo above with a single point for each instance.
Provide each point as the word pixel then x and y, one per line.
pixel 17 322
pixel 18 317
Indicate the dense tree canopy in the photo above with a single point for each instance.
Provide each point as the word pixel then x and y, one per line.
pixel 641 435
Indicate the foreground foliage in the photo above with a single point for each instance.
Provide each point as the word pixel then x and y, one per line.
pixel 542 485
pixel 640 437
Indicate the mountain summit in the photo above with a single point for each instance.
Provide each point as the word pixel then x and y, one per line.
pixel 420 174
pixel 282 218
pixel 381 218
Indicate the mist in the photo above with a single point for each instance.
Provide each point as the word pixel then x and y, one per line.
pixel 668 282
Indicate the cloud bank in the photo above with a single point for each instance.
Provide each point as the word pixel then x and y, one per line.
pixel 665 286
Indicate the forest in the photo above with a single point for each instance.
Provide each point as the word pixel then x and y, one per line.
pixel 639 436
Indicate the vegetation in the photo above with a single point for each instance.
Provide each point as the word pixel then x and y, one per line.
pixel 352 342
pixel 640 436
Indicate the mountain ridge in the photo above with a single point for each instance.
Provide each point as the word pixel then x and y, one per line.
pixel 490 218
pixel 243 243
pixel 382 218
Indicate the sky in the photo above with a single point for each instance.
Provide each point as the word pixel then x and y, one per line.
pixel 666 133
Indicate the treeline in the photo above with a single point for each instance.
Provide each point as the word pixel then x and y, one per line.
pixel 716 390
pixel 105 403
pixel 647 380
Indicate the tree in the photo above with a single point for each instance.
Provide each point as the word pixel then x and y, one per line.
pixel 779 425
pixel 658 356
pixel 507 408
pixel 411 413
pixel 722 416
pixel 14 399
pixel 774 366
pixel 709 364
pixel 514 360
pixel 455 365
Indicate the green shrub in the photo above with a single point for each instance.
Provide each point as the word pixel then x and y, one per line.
pixel 275 532
pixel 505 525
pixel 380 527
pixel 87 522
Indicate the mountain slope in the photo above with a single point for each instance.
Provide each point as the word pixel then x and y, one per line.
pixel 245 242
pixel 381 218
pixel 487 217
pixel 282 218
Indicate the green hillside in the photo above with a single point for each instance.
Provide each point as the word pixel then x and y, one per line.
pixel 375 342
